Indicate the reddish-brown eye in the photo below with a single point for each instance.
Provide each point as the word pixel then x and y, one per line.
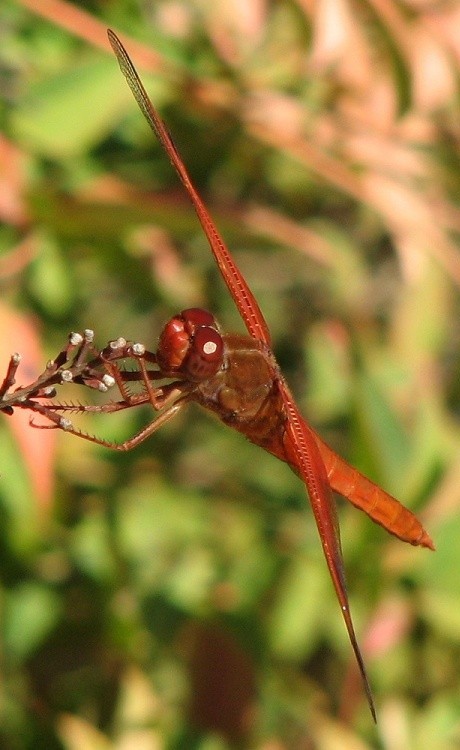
pixel 195 317
pixel 173 345
pixel 205 355
pixel 191 344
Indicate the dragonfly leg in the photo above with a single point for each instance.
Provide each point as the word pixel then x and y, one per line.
pixel 63 423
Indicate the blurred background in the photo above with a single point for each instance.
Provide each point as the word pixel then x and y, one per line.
pixel 176 597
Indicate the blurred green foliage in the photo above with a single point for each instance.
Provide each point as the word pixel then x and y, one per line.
pixel 176 596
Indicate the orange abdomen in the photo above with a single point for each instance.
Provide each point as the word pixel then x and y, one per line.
pixel 382 507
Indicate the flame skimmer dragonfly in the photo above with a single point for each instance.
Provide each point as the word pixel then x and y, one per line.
pixel 237 377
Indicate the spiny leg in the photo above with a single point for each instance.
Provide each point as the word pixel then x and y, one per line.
pixel 60 422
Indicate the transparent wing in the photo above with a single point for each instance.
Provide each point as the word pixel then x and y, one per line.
pixel 239 289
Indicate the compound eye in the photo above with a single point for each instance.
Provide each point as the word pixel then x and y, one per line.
pixel 195 317
pixel 173 345
pixel 206 354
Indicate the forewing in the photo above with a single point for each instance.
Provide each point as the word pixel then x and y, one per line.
pixel 302 449
pixel 236 283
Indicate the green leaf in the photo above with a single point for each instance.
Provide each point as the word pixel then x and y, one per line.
pixel 64 115
pixel 50 279
pixel 31 612
pixel 383 436
pixel 297 613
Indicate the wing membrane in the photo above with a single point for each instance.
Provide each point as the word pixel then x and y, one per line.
pixel 244 299
pixel 301 446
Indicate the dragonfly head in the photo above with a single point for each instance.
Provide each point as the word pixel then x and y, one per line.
pixel 190 344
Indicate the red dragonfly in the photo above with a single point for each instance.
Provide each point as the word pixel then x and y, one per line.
pixel 237 377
